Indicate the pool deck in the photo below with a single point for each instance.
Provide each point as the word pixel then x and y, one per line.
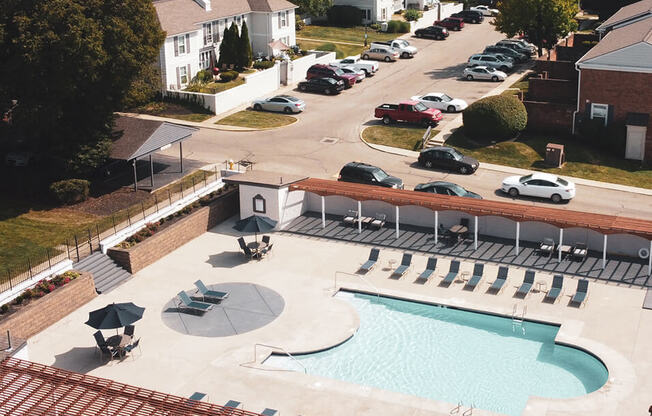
pixel 302 269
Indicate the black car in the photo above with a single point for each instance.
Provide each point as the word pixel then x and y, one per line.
pixel 325 85
pixel 447 158
pixel 518 57
pixel 434 32
pixel 445 188
pixel 368 174
pixel 469 16
pixel 516 47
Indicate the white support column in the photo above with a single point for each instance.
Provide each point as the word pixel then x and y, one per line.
pixel 437 226
pixel 397 221
pixel 604 252
pixel 561 241
pixel 518 235
pixel 649 260
pixel 475 233
pixel 359 217
pixel 323 212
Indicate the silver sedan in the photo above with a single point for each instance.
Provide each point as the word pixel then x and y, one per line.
pixel 284 103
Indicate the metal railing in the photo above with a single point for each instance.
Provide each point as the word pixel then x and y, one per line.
pixel 374 287
pixel 274 347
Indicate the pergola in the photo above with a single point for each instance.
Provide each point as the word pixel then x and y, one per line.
pixel 140 138
pixel 28 388
pixel 603 224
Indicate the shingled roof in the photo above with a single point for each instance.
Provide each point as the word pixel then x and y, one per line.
pixel 135 137
pixel 630 12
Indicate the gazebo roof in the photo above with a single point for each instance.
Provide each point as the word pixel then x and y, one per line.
pixel 140 137
pixel 604 224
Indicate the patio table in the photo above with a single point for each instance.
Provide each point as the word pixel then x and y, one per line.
pixel 458 230
pixel 118 342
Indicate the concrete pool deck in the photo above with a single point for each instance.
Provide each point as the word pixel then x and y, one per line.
pixel 302 270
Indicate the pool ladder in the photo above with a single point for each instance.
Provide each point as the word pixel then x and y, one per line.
pixel 456 410
pixel 518 321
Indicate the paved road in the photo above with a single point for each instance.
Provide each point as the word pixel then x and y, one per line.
pixel 301 149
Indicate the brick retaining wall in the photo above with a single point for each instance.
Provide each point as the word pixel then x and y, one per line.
pixel 43 312
pixel 166 241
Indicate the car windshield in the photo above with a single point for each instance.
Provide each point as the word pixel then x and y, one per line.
pixel 380 175
pixel 420 107
pixel 491 69
pixel 339 72
pixel 402 43
pixel 525 178
pixel 446 98
pixel 562 181
pixel 458 190
pixel 456 155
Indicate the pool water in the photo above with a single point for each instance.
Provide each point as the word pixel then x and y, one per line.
pixel 453 355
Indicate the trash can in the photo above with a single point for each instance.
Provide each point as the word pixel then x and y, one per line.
pixel 555 155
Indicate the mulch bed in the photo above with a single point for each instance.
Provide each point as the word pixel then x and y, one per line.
pixel 110 203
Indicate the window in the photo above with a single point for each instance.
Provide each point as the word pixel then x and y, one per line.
pixel 180 44
pixel 183 75
pixel 259 204
pixel 239 20
pixel 600 111
pixel 208 34
pixel 283 19
pixel 383 15
pixel 366 14
pixel 205 59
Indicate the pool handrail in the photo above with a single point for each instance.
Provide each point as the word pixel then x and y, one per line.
pixel 374 287
pixel 274 347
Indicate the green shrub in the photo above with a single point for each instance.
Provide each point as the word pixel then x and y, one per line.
pixel 263 64
pixel 228 76
pixel 412 14
pixel 495 117
pixel 397 26
pixel 375 26
pixel 204 76
pixel 70 191
pixel 4 308
pixel 345 16
pixel 18 300
pixel 298 23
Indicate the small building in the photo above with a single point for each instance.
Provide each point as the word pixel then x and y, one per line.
pixel 374 10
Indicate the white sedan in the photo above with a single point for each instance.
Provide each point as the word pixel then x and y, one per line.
pixel 483 72
pixel 284 103
pixel 541 185
pixel 486 11
pixel 441 101
pixel 359 73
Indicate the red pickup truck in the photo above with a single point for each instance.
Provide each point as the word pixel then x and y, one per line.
pixel 410 111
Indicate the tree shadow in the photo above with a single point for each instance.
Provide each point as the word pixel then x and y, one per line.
pixel 453 71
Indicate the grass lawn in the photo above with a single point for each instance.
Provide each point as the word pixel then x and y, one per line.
pixel 174 110
pixel 582 161
pixel 341 51
pixel 256 119
pixel 215 87
pixel 522 84
pixel 344 34
pixel 404 137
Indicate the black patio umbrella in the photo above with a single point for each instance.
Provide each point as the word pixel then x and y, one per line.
pixel 255 224
pixel 115 315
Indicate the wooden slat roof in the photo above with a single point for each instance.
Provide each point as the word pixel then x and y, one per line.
pixel 604 224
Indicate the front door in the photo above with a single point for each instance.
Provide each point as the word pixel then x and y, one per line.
pixel 635 148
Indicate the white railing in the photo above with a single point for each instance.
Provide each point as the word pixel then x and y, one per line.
pixel 374 287
pixel 273 347
pixel 58 268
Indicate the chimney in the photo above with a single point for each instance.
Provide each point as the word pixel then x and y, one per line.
pixel 206 4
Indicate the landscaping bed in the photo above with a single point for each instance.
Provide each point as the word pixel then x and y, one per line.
pixel 344 34
pixel 256 119
pixel 403 137
pixel 341 50
pixel 177 110
pixel 216 86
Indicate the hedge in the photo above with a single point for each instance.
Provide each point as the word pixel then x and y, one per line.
pixel 263 64
pixel 70 191
pixel 229 76
pixel 495 117
pixel 397 26
pixel 412 14
pixel 345 16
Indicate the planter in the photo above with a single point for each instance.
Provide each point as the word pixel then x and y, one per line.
pixel 165 241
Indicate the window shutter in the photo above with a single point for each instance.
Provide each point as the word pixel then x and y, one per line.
pixel 587 109
pixel 187 43
pixel 176 46
pixel 610 114
pixel 216 32
pixel 189 76
pixel 178 79
pixel 279 20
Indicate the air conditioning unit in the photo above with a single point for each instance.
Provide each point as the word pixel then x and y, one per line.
pixel 383 27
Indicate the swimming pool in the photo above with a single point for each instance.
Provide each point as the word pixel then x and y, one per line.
pixel 453 355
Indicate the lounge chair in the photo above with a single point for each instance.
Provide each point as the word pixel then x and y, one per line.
pixel 528 281
pixel 369 264
pixel 453 271
pixel 229 406
pixel 430 269
pixel 498 284
pixel 478 270
pixel 581 293
pixel 547 246
pixel 406 262
pixel 555 290
pixel 378 221
pixel 351 218
pixel 269 412
pixel 207 295
pixel 193 305
pixel 579 251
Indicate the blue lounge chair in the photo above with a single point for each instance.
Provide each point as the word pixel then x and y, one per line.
pixel 528 281
pixel 232 404
pixel 478 270
pixel 452 272
pixel 581 293
pixel 369 264
pixel 500 281
pixel 193 305
pixel 430 269
pixel 208 295
pixel 555 291
pixel 406 262
pixel 269 412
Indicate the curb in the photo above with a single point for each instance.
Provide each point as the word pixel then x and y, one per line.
pixel 212 126
pixel 388 149
pixel 249 129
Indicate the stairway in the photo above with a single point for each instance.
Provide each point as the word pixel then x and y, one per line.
pixel 106 273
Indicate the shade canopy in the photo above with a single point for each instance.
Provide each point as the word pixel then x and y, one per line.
pixel 115 315
pixel 255 224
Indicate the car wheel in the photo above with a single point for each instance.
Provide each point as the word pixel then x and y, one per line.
pixel 451 109
pixel 476 21
pixel 440 37
pixel 387 120
pixel 425 122
pixel 428 164
pixel 366 73
pixel 258 107
pixel 469 77
pixel 287 110
pixel 303 88
pixel 418 34
pixel 556 198
pixel 463 170
pixel 405 55
pixel 327 91
pixel 513 192
pixel 387 59
pixel 494 78
pixel 458 28
pixel 504 68
pixel 365 56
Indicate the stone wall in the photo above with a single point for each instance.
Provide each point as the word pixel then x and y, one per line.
pixel 169 239
pixel 43 312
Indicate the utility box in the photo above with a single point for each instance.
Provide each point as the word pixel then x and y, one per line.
pixel 555 155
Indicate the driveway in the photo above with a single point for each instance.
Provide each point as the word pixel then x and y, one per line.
pixel 301 148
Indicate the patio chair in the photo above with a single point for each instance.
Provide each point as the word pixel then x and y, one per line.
pixel 478 270
pixel 547 246
pixel 192 305
pixel 498 284
pixel 378 221
pixel 351 218
pixel 266 239
pixel 206 293
pixel 129 330
pixel 242 243
pixel 103 347
pixel 430 269
pixel 129 348
pixel 579 251
pixel 371 263
pixel 267 249
pixel 464 222
pixel 453 271
pixel 406 263
pixel 525 287
pixel 555 291
pixel 579 298
pixel 232 404
pixel 269 412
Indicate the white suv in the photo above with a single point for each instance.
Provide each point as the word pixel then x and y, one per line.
pixel 490 61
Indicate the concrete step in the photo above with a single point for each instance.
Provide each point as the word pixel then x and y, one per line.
pixel 106 273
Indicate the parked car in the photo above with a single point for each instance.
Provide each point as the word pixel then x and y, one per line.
pixel 441 101
pixel 445 188
pixel 285 103
pixel 485 10
pixel 447 158
pixel 381 54
pixel 410 111
pixel 369 67
pixel 358 172
pixel 401 45
pixel 518 57
pixel 490 61
pixel 450 23
pixel 359 73
pixel 483 72
pixel 516 47
pixel 541 185
pixel 325 85
pixel 523 43
pixel 327 71
pixel 503 58
pixel 469 16
pixel 433 32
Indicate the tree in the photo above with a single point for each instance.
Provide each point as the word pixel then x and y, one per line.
pixel 244 48
pixel 604 8
pixel 313 7
pixel 69 64
pixel 229 46
pixel 544 22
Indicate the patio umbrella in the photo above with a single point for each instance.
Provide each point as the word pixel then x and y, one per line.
pixel 115 315
pixel 255 224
